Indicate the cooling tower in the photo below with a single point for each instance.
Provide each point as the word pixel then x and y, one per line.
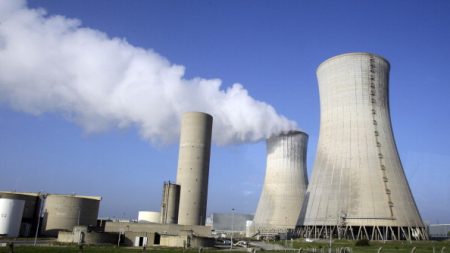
pixel 193 167
pixel 358 187
pixel 284 184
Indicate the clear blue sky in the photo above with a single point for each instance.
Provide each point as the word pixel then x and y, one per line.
pixel 273 49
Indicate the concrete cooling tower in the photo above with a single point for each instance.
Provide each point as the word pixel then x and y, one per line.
pixel 284 184
pixel 193 167
pixel 358 187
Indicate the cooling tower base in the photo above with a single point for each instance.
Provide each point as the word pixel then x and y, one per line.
pixel 364 232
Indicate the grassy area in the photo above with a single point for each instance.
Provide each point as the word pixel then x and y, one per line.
pixel 89 249
pixel 319 246
pixel 387 247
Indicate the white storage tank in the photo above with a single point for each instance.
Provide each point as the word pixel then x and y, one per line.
pixel 149 216
pixel 11 211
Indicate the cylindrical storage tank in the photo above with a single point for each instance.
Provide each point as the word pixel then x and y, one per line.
pixel 149 216
pixel 31 202
pixel 63 212
pixel 11 211
pixel 30 210
pixel 193 167
pixel 358 186
pixel 170 203
pixel 285 183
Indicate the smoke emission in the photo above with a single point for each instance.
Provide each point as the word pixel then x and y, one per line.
pixel 52 64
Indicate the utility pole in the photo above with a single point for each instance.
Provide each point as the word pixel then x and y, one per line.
pixel 232 227
pixel 42 197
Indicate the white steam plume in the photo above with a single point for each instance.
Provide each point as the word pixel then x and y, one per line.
pixel 53 64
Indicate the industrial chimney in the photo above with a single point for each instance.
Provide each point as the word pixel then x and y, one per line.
pixel 284 184
pixel 193 167
pixel 358 187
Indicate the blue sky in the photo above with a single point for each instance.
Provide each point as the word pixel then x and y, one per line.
pixel 272 48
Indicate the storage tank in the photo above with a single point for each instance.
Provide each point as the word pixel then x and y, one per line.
pixel 193 167
pixel 285 183
pixel 11 211
pixel 31 202
pixel 63 212
pixel 30 210
pixel 358 187
pixel 170 203
pixel 149 216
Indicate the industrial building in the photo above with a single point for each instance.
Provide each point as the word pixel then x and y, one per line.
pixel 50 212
pixel 227 223
pixel 171 235
pixel 285 184
pixel 439 231
pixel 358 187
pixel 64 212
pixel 170 203
pixel 193 167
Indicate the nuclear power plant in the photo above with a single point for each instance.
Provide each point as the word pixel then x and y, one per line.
pixel 358 187
pixel 285 183
pixel 193 167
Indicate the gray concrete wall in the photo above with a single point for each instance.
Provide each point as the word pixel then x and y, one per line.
pixel 172 229
pixel 64 212
pixel 193 167
pixel 90 238
pixel 170 203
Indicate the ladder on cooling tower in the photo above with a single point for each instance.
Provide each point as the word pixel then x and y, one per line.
pixel 373 101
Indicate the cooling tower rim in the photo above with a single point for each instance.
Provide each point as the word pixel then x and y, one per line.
pixel 289 133
pixel 197 113
pixel 349 54
pixel 98 198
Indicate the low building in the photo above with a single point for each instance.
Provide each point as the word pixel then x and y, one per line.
pixel 153 234
pixel 227 223
pixel 439 231
pixel 83 235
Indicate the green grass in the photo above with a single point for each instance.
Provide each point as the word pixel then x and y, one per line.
pixel 388 247
pixel 96 249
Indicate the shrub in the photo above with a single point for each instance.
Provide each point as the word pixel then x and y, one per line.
pixel 362 242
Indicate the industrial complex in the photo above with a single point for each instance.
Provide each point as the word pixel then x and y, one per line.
pixel 358 189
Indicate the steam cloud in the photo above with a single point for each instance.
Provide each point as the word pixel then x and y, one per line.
pixel 53 64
